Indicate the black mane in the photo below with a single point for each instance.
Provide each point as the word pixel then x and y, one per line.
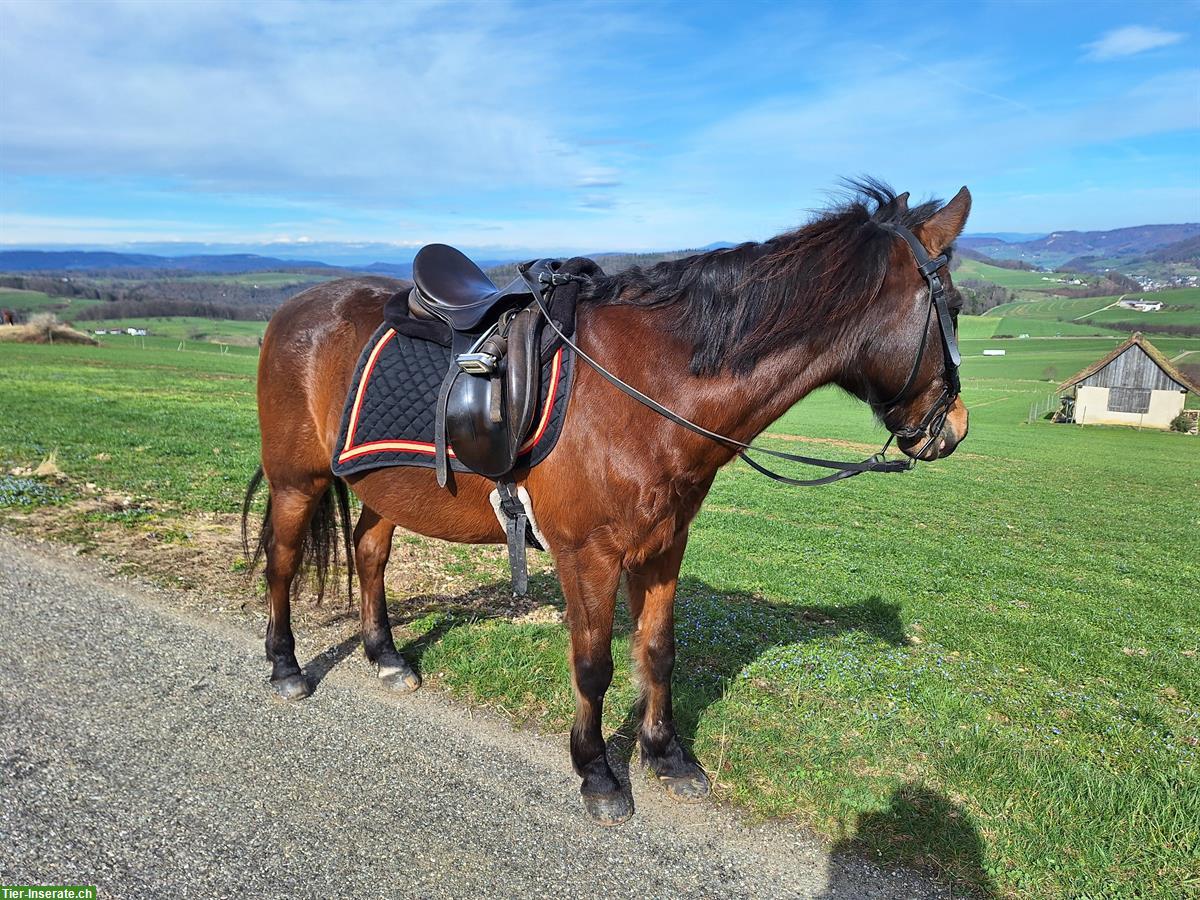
pixel 738 305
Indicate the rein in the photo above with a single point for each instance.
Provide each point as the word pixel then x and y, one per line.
pixel 541 273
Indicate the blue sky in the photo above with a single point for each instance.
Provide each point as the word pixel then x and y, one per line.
pixel 583 126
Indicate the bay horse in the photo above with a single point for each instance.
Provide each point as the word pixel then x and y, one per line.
pixel 731 339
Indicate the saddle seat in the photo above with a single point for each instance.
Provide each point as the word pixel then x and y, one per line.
pixel 450 287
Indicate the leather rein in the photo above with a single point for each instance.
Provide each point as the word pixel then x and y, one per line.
pixel 541 278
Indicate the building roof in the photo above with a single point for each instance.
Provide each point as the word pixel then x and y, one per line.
pixel 1149 349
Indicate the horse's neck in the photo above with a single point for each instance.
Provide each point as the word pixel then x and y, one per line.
pixel 638 344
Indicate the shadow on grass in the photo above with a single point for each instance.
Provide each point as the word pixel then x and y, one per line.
pixel 919 827
pixel 718 634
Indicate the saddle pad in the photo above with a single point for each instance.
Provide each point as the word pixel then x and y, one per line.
pixel 388 418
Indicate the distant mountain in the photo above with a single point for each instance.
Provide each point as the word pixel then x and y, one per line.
pixel 99 261
pixel 1058 247
pixel 1185 251
pixel 395 270
pixel 1009 237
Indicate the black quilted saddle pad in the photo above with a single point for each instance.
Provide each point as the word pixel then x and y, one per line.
pixel 389 413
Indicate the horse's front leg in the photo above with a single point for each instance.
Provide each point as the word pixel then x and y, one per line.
pixel 589 577
pixel 652 606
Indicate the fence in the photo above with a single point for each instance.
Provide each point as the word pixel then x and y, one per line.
pixel 1043 406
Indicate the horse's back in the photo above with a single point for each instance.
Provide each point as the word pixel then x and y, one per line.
pixel 308 355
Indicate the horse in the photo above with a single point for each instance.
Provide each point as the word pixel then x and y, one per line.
pixel 730 339
pixel 8 317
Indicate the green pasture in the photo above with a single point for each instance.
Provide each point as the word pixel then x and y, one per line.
pixel 1180 307
pixel 987 666
pixel 187 328
pixel 1017 279
pixel 26 303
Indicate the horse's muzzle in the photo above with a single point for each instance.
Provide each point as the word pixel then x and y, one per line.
pixel 952 433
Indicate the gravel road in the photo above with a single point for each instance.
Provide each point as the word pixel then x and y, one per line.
pixel 141 750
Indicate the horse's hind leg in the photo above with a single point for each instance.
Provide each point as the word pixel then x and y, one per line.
pixel 652 605
pixel 291 511
pixel 372 546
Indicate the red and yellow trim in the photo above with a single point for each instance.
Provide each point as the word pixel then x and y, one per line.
pixel 353 451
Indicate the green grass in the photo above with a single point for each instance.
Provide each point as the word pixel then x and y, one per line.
pixel 1016 279
pixel 189 328
pixel 28 302
pixel 1181 307
pixel 986 666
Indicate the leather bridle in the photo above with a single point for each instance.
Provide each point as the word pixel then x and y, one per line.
pixel 541 277
pixel 935 419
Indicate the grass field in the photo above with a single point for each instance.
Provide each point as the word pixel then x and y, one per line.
pixel 188 328
pixel 1016 279
pixel 1181 307
pixel 987 666
pixel 26 302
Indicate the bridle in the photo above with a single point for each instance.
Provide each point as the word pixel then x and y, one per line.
pixel 542 277
pixel 935 419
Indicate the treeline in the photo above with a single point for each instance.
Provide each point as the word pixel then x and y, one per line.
pixel 54 286
pixel 1156 328
pixel 611 263
pixel 967 253
pixel 140 309
pixel 149 298
pixel 1110 283
pixel 980 296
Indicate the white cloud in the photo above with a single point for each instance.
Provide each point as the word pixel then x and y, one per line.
pixel 394 105
pixel 1130 40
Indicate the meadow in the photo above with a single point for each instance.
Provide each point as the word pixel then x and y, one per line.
pixel 186 328
pixel 987 667
pixel 1019 280
pixel 27 302
pixel 1180 307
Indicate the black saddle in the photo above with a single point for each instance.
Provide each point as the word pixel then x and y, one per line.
pixel 499 339
pixel 448 286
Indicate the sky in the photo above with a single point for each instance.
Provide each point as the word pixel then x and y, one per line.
pixel 583 126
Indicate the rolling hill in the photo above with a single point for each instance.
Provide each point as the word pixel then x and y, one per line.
pixel 1057 248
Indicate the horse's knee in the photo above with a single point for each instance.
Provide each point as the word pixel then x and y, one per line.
pixel 593 674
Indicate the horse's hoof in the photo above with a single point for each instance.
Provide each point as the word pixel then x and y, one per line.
pixel 292 687
pixel 691 787
pixel 608 809
pixel 399 679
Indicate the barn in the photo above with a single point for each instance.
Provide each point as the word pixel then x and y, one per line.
pixel 1135 384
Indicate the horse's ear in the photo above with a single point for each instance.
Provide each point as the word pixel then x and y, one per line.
pixel 901 203
pixel 941 229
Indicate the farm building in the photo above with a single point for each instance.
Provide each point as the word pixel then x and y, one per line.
pixel 1133 385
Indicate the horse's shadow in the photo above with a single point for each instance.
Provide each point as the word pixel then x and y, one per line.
pixel 719 633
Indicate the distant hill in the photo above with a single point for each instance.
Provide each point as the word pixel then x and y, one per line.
pixel 1185 251
pixel 1057 248
pixel 395 270
pixel 101 261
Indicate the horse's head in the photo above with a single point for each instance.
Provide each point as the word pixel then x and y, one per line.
pixel 911 361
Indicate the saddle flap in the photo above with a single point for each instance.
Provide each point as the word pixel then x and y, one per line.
pixel 522 370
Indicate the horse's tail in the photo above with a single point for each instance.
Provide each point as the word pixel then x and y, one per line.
pixel 319 553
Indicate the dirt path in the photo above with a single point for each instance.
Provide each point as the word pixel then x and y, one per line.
pixel 141 750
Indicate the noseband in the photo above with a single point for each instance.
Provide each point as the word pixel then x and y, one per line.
pixel 541 277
